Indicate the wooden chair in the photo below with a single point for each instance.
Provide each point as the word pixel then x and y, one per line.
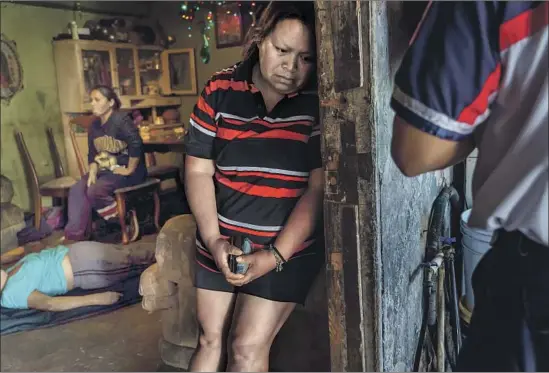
pixel 163 172
pixel 57 187
pixel 126 198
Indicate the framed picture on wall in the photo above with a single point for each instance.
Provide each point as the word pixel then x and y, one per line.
pixel 180 78
pixel 228 26
pixel 11 72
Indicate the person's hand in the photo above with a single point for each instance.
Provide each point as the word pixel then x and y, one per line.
pixel 107 298
pixel 220 249
pixel 92 176
pixel 12 255
pixel 124 171
pixel 259 263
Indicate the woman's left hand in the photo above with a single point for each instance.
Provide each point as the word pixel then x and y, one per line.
pixel 124 171
pixel 259 264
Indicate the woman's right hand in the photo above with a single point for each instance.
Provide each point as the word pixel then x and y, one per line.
pixel 220 249
pixel 107 298
pixel 92 175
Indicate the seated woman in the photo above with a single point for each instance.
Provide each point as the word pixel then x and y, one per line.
pixel 36 280
pixel 116 160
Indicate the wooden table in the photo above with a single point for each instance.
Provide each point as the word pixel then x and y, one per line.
pixel 164 144
pixel 163 138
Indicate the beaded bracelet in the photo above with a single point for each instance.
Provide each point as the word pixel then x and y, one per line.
pixel 278 257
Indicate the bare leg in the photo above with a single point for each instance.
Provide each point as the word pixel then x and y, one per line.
pixel 256 323
pixel 214 311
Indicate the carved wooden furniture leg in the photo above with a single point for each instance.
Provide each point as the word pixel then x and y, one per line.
pixel 179 183
pixel 37 210
pixel 121 208
pixel 89 228
pixel 156 210
pixel 126 198
pixel 65 207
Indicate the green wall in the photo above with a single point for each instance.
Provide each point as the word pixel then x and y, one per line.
pixel 37 105
pixel 168 13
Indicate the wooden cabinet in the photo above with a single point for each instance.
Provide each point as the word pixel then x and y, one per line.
pixel 145 77
pixel 133 71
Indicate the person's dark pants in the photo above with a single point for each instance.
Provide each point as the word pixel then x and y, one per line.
pixel 509 329
pixel 99 197
pixel 97 265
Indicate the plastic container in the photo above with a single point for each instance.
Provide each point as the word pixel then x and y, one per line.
pixel 475 243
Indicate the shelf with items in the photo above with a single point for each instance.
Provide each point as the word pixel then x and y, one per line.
pixel 150 70
pixel 125 67
pixel 162 132
pixel 143 76
pixel 140 74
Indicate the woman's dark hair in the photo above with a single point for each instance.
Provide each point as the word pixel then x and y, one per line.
pixel 271 15
pixel 109 93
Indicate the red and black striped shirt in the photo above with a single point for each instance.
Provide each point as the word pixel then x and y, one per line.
pixel 262 159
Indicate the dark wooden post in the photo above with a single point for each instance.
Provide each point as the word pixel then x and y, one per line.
pixel 350 208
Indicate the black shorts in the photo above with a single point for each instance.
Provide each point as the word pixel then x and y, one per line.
pixel 292 284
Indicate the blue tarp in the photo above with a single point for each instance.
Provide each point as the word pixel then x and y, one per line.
pixel 13 321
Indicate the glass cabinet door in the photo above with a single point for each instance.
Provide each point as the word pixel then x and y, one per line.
pixel 125 66
pixel 149 71
pixel 97 69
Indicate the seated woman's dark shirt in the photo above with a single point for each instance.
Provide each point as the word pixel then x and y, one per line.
pixel 118 137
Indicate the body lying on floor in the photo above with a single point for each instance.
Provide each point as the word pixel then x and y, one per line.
pixel 38 280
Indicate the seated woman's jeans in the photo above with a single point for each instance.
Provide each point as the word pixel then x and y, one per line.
pixel 99 197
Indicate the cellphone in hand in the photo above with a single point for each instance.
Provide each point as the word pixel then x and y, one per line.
pixel 244 244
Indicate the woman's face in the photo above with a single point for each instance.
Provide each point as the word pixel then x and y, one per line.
pixel 286 56
pixel 100 104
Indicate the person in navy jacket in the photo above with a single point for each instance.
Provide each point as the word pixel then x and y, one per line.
pixel 116 160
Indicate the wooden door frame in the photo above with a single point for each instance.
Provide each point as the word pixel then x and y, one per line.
pixel 352 233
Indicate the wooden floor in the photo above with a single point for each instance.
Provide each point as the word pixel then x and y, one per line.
pixel 122 341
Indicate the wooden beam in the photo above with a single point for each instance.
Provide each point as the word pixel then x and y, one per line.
pixel 86 7
pixel 350 207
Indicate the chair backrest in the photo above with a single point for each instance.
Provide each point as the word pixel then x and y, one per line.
pixel 57 164
pixel 28 165
pixel 79 139
pixel 80 146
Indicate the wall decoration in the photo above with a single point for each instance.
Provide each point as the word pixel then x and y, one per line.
pixel 205 50
pixel 228 26
pixel 11 72
pixel 181 79
pixel 237 12
pixel 249 13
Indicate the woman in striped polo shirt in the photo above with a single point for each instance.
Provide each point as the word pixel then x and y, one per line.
pixel 254 169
